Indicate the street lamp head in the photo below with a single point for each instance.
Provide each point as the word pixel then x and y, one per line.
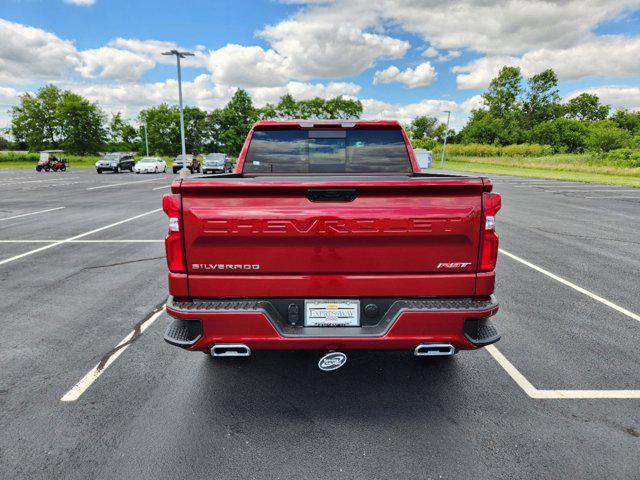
pixel 178 53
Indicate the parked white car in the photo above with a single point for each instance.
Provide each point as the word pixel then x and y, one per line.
pixel 150 165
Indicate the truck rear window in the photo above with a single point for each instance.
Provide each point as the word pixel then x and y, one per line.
pixel 327 151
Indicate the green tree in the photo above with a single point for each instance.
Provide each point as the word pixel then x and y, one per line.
pixel 503 119
pixel 34 121
pixel 195 121
pixel 287 107
pixel 81 123
pixel 630 121
pixel 344 108
pixel 542 100
pixel 423 127
pixel 54 118
pixel 587 108
pixel 236 119
pixel 163 129
pixel 503 96
pixel 484 127
pixel 605 135
pixel 211 131
pixel 122 136
pixel 563 134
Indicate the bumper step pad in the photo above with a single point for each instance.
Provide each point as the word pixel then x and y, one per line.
pixel 183 333
pixel 480 332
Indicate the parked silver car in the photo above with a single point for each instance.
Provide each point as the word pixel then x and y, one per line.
pixel 216 163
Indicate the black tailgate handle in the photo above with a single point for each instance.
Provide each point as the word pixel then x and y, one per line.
pixel 331 194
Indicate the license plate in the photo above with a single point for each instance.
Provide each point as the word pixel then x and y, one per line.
pixel 332 313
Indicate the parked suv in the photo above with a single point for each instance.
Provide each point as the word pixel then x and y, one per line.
pixel 216 163
pixel 115 162
pixel 190 161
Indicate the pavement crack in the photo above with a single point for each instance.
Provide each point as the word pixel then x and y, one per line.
pixel 122 263
pixel 137 331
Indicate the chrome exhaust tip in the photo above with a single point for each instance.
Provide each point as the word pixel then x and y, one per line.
pixel 434 350
pixel 230 350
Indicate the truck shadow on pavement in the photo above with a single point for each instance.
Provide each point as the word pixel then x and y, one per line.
pixel 371 386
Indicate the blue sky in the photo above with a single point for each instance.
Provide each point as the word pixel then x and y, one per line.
pixel 402 58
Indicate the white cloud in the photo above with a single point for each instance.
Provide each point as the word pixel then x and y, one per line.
pixel 8 98
pixel 376 109
pixel 473 103
pixel 303 91
pixel 155 48
pixel 28 53
pixel 610 56
pixel 430 52
pixel 115 64
pixel 315 49
pixel 499 28
pixel 248 66
pixel 441 57
pixel 421 76
pixel 83 3
pixel 618 97
pixel 130 98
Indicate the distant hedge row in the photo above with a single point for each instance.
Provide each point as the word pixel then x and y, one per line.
pixel 482 150
pixel 623 157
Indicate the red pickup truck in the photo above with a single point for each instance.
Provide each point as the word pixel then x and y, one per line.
pixel 328 237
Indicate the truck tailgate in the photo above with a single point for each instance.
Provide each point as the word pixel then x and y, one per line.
pixel 285 227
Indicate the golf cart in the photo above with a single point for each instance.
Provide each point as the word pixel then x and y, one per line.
pixel 50 161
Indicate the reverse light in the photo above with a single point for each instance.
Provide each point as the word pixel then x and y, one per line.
pixel 491 203
pixel 173 241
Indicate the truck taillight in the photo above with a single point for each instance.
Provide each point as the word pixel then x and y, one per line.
pixel 491 203
pixel 173 241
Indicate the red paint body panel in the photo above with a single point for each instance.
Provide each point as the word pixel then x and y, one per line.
pixel 321 286
pixel 255 331
pixel 261 236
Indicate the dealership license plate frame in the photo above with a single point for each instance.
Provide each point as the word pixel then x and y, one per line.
pixel 312 317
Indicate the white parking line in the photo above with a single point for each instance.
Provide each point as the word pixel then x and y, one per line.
pixel 584 291
pixel 562 190
pixel 615 196
pixel 31 213
pixel 159 188
pixel 77 237
pixel 533 392
pixel 85 382
pixel 82 241
pixel 123 183
pixel 54 180
pixel 521 380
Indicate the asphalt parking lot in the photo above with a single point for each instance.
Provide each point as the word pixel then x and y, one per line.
pixel 82 276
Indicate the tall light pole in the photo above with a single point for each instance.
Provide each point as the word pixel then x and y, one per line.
pixel 146 138
pixel 446 133
pixel 179 55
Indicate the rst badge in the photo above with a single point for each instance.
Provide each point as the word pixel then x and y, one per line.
pixel 454 265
